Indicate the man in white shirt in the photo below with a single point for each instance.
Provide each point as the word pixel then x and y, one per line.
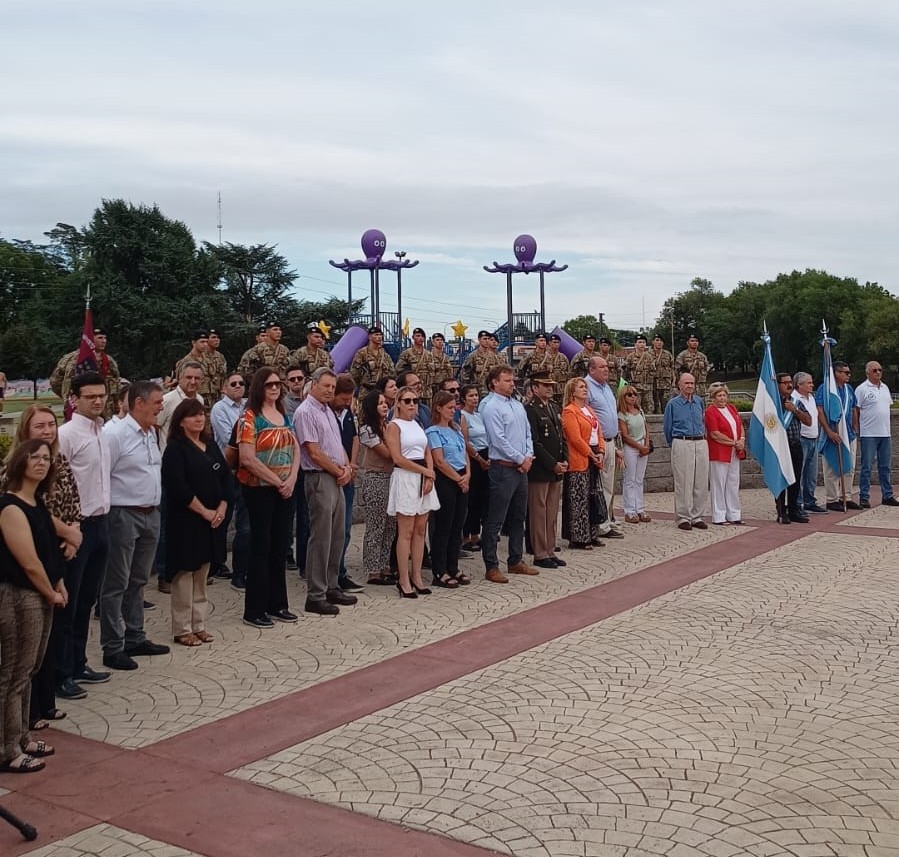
pixel 873 400
pixel 804 391
pixel 82 442
pixel 134 494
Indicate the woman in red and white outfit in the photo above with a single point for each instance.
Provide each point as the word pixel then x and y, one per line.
pixel 727 446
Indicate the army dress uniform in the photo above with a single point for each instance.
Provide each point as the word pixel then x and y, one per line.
pixel 369 366
pixel 64 372
pixel 265 354
pixel 422 364
pixel 477 367
pixel 217 371
pixel 697 364
pixel 534 362
pixel 663 379
pixel 579 363
pixel 442 369
pixel 559 371
pixel 640 371
pixel 309 359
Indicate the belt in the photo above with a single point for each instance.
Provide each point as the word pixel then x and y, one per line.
pixel 502 463
pixel 145 510
pixel 691 437
pixel 610 439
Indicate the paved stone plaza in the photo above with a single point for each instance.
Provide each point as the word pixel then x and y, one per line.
pixel 725 692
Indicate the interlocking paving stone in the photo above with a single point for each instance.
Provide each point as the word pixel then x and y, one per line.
pixel 754 712
pixel 106 840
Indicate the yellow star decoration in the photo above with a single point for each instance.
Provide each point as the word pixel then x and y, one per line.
pixel 325 328
pixel 406 327
pixel 459 329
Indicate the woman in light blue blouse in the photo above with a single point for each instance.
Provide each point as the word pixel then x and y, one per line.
pixel 452 471
pixel 479 490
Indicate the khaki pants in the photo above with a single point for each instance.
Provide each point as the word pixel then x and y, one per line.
pixel 608 485
pixel 543 511
pixel 690 466
pixel 832 479
pixel 189 602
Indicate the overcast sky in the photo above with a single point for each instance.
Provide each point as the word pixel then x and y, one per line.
pixel 641 143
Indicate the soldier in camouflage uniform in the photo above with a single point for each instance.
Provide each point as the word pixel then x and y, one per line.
pixel 64 372
pixel 640 372
pixel 372 362
pixel 215 368
pixel 479 363
pixel 605 351
pixel 199 353
pixel 269 352
pixel 581 360
pixel 692 360
pixel 420 361
pixel 537 361
pixel 312 355
pixel 663 377
pixel 559 367
pixel 442 369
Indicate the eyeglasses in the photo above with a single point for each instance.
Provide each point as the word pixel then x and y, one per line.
pixel 272 385
pixel 630 395
pixel 297 379
pixel 236 384
pixel 37 457
pixel 409 401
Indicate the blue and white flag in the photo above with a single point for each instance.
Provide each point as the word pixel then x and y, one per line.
pixel 767 435
pixel 834 407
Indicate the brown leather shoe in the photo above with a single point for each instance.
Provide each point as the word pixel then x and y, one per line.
pixel 494 575
pixel 522 568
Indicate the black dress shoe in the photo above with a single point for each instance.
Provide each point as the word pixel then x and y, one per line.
pixel 259 622
pixel 611 534
pixel 89 676
pixel 119 661
pixel 323 608
pixel 222 572
pixel 283 616
pixel 834 507
pixel 547 562
pixel 70 690
pixel 851 504
pixel 560 563
pixel 783 519
pixel 865 504
pixel 335 596
pixel 700 525
pixel 798 518
pixel 147 647
pixel 889 501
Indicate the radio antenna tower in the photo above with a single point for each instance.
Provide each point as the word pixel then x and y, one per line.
pixel 220 218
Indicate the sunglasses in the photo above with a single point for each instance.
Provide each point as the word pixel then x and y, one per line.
pixel 877 370
pixel 630 395
pixel 409 401
pixel 296 379
pixel 272 385
pixel 236 384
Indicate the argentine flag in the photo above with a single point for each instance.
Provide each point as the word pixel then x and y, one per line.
pixel 767 435
pixel 835 411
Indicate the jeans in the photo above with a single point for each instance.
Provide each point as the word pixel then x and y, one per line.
pixel 881 447
pixel 508 494
pixel 240 547
pixel 83 577
pixel 349 494
pixel 809 480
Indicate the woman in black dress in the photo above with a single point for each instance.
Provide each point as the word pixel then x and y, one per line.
pixel 30 587
pixel 198 490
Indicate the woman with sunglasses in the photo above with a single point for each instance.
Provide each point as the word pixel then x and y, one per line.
pixel 31 586
pixel 453 477
pixel 412 496
pixel 198 490
pixel 635 439
pixel 267 473
pixel 377 469
pixel 38 422
pixel 583 504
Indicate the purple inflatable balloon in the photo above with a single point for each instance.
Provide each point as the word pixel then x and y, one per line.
pixel 374 243
pixel 570 346
pixel 525 250
pixel 342 354
pixel 525 247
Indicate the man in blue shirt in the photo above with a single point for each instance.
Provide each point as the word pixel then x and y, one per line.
pixel 684 429
pixel 511 453
pixel 601 397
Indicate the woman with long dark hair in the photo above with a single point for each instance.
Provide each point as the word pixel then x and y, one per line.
pixel 377 468
pixel 31 586
pixel 267 473
pixel 198 490
pixel 479 488
pixel 452 479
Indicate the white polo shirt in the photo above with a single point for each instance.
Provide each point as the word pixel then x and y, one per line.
pixel 874 402
pixel 812 408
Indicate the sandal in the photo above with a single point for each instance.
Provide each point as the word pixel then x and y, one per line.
pixel 644 518
pixel 204 636
pixel 38 749
pixel 54 714
pixel 446 581
pixel 462 578
pixel 187 640
pixel 27 765
pixel 38 726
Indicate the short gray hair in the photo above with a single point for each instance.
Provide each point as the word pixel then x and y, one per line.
pixel 322 372
pixel 801 378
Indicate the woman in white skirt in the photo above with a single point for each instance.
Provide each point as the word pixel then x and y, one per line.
pixel 412 496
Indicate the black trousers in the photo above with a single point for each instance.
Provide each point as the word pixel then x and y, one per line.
pixel 478 497
pixel 446 536
pixel 269 515
pixel 788 500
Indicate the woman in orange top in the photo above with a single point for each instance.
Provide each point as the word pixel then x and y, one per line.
pixel 583 504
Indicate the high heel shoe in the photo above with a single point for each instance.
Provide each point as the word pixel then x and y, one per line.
pixel 421 590
pixel 412 594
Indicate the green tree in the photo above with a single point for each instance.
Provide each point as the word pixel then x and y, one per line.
pixel 581 325
pixel 687 313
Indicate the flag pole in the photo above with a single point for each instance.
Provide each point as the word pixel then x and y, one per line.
pixel 825 342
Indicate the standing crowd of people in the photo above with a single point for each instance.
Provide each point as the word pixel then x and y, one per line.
pixel 147 478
